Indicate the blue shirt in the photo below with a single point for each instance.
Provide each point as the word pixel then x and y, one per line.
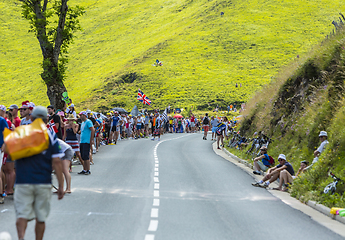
pixel 265 160
pixel 3 125
pixel 25 121
pixel 85 135
pixel 37 169
pixel 115 120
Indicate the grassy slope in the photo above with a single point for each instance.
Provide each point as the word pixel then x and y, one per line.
pixel 306 98
pixel 204 54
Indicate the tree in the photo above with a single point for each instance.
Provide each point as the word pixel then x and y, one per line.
pixel 54 24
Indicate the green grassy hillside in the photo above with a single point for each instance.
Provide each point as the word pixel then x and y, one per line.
pixel 204 54
pixel 305 98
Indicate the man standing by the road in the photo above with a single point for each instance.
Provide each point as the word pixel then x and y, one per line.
pixel 57 120
pixel 205 125
pixel 25 111
pixel 33 183
pixel 3 125
pixel 14 110
pixel 86 140
pixel 214 124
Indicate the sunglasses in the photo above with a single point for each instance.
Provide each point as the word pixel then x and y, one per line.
pixel 23 109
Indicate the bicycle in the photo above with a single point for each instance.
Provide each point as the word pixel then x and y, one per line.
pixel 330 188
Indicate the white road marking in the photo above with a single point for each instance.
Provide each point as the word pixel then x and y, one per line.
pixel 156 165
pixel 98 213
pixel 156 193
pixel 156 174
pixel 154 212
pixel 156 169
pixel 157 161
pixel 153 225
pixel 5 210
pixel 155 202
pixel 149 237
pixel 155 179
pixel 156 186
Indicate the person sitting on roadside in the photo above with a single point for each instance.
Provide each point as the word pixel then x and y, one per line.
pixel 274 173
pixel 323 138
pixel 286 179
pixel 261 163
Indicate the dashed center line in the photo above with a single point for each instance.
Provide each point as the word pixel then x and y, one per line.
pixel 154 212
pixel 156 202
pixel 153 226
pixel 156 186
pixel 156 193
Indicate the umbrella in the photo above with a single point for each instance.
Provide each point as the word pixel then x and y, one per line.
pixel 120 110
pixel 135 111
pixel 178 116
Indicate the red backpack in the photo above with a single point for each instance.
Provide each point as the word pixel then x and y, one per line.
pixel 271 161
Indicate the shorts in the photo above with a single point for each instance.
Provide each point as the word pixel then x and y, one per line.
pixel 32 201
pixel 157 132
pixel 205 128
pixel 214 129
pixel 69 153
pixel 85 151
pixel 138 126
pixel 262 166
pixel 192 124
pixel 115 128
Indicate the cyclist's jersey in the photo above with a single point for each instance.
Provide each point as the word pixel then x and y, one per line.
pixel 115 120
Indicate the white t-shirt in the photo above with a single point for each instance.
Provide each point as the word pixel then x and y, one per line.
pixel 64 146
pixel 322 146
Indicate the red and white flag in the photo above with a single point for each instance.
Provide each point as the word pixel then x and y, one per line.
pixel 51 126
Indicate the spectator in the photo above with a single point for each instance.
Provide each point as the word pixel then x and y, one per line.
pixel 86 140
pixel 228 108
pixel 323 138
pixel 221 131
pixel 56 119
pixel 273 173
pixel 14 110
pixel 70 136
pixel 66 161
pixel 206 125
pixel 71 110
pixel 214 124
pixel 33 183
pixel 25 111
pixel 3 125
pixel 285 178
pixel 261 163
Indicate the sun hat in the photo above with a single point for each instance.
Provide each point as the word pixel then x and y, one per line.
pixel 13 106
pixel 263 148
pixel 323 134
pixel 61 113
pixel 88 111
pixel 70 117
pixel 282 156
pixel 39 112
pixel 3 108
pixel 72 105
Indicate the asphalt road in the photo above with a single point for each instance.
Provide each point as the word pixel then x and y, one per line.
pixel 176 188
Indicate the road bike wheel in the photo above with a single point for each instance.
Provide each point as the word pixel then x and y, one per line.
pixel 329 188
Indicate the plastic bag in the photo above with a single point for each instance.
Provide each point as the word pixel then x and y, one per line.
pixel 27 140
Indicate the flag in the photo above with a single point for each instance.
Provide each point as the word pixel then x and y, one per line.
pixel 143 98
pixel 165 115
pixel 51 126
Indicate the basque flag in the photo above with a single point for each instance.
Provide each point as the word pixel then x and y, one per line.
pixel 143 98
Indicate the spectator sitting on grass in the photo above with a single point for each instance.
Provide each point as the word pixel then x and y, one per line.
pixel 274 173
pixel 320 149
pixel 261 163
pixel 286 178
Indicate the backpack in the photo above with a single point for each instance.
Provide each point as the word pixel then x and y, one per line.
pixel 271 161
pixel 205 121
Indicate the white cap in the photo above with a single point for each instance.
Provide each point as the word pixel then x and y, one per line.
pixel 323 134
pixel 282 156
pixel 72 105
